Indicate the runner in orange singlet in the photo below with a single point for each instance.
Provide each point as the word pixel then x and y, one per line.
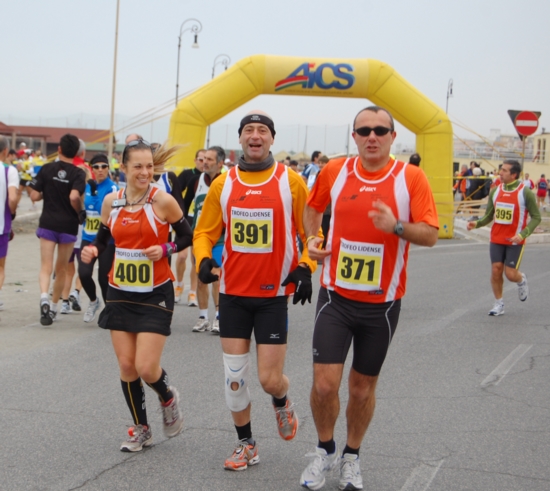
pixel 259 203
pixel 379 206
pixel 140 296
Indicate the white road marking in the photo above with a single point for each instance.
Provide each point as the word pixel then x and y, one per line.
pixel 421 477
pixel 500 372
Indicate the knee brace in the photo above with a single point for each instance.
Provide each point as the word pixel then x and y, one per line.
pixel 236 372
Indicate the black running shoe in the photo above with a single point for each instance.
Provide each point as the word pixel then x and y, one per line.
pixel 45 316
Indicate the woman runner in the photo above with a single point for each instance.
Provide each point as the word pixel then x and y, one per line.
pixel 140 296
pixel 95 194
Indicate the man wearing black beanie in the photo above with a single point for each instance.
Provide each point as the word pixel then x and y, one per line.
pixel 259 205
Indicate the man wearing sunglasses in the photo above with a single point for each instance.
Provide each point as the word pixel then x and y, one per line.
pixel 378 206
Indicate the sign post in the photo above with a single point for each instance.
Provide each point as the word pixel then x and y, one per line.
pixel 526 123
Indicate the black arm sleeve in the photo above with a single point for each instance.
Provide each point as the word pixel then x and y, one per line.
pixel 184 235
pixel 102 239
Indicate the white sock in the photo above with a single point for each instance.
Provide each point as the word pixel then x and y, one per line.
pixel 44 296
pixel 192 291
pixel 53 307
pixel 179 283
pixel 500 301
pixel 203 313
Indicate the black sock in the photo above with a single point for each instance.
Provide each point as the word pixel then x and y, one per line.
pixel 162 388
pixel 135 398
pixel 330 446
pixel 348 449
pixel 244 432
pixel 279 402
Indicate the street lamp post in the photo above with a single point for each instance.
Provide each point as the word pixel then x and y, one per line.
pixel 195 28
pixel 449 94
pixel 110 143
pixel 225 61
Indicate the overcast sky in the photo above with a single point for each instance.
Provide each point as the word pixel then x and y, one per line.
pixel 58 59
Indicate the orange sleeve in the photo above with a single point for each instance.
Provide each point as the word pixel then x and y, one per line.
pixel 210 225
pixel 423 207
pixel 299 192
pixel 319 197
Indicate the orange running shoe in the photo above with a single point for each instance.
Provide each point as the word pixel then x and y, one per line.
pixel 287 421
pixel 192 300
pixel 245 454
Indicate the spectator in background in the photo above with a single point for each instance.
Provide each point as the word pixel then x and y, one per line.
pixel 528 182
pixel 415 159
pixel 9 182
pixel 312 169
pixel 22 149
pixel 542 188
pixel 11 158
pixel 292 164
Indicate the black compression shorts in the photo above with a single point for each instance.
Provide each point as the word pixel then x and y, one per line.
pixel 339 320
pixel 267 317
pixel 509 255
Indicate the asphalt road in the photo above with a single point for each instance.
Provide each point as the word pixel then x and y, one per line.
pixel 463 399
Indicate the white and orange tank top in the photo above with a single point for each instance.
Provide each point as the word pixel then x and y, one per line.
pixel 366 264
pixel 133 232
pixel 260 235
pixel 510 214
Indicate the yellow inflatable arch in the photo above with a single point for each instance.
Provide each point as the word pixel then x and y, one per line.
pixel 357 78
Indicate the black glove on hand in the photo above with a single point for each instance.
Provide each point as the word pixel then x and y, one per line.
pixel 81 216
pixel 205 271
pixel 301 277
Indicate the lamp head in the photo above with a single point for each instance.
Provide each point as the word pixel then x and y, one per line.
pixel 195 42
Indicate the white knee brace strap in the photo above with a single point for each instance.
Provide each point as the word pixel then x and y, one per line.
pixel 236 371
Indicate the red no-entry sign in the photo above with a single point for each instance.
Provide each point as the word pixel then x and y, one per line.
pixel 526 122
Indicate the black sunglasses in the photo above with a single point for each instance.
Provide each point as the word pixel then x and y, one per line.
pixel 97 166
pixel 378 130
pixel 133 143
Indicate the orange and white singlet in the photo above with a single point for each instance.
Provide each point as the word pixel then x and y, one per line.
pixel 260 245
pixel 366 264
pixel 133 232
pixel 510 214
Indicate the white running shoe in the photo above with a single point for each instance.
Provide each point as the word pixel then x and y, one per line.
pixel 74 299
pixel 201 325
pixel 350 473
pixel 216 326
pixel 91 311
pixel 140 436
pixel 314 474
pixel 172 416
pixel 178 292
pixel 498 309
pixel 65 307
pixel 523 288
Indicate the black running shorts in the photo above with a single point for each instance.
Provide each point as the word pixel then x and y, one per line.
pixel 267 317
pixel 339 320
pixel 139 312
pixel 509 255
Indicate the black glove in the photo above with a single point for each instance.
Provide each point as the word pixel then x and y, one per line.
pixel 301 277
pixel 81 216
pixel 205 271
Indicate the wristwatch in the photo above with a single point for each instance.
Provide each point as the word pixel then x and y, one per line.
pixel 398 229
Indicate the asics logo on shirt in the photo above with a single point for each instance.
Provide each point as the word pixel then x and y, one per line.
pixel 251 191
pixel 369 189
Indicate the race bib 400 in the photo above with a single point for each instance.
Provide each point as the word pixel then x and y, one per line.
pixel 359 265
pixel 133 271
pixel 252 230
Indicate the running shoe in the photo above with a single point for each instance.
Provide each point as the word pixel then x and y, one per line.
pixel 140 436
pixel 287 421
pixel 65 307
pixel 201 325
pixel 91 311
pixel 216 326
pixel 523 288
pixel 314 474
pixel 498 309
pixel 171 415
pixel 74 299
pixel 177 293
pixel 350 473
pixel 45 317
pixel 245 454
pixel 192 300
